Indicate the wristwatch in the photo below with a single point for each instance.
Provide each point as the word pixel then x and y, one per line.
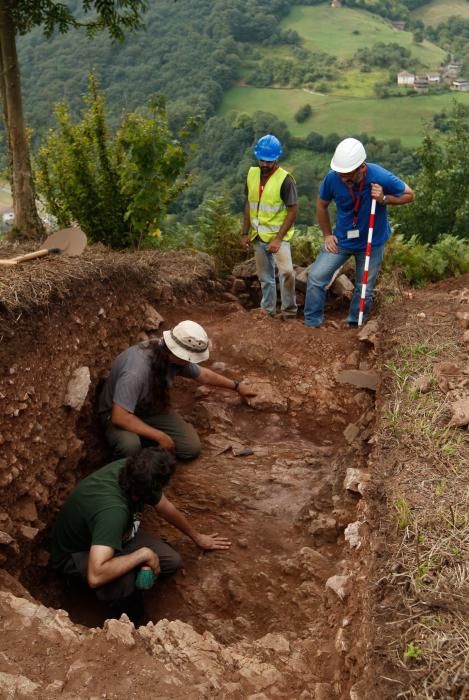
pixel 385 199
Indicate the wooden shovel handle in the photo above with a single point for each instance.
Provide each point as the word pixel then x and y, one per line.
pixel 31 256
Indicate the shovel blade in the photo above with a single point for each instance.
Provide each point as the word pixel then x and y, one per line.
pixel 71 241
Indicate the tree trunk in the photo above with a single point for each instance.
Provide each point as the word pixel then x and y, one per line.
pixel 27 221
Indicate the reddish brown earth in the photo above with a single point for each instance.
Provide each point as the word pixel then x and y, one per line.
pixel 254 622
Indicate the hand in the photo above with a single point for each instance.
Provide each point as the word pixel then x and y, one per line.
pixel 274 246
pixel 331 244
pixel 377 192
pixel 210 542
pixel 152 562
pixel 245 390
pixel 244 242
pixel 166 442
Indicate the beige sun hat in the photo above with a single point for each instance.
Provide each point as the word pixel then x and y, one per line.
pixel 188 341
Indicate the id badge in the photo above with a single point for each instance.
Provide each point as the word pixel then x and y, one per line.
pixel 353 233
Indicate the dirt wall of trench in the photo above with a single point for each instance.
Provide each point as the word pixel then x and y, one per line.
pixel 46 445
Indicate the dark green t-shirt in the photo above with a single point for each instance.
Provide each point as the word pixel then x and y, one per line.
pixel 96 512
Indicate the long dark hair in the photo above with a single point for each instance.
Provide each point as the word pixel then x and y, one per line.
pixel 159 362
pixel 144 476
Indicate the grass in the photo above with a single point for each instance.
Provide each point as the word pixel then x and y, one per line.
pixel 439 10
pixel 5 197
pixel 342 31
pixel 396 117
pixel 425 559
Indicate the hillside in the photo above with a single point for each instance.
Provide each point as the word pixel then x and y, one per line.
pixel 438 11
pixel 342 115
pixel 223 60
pixel 341 31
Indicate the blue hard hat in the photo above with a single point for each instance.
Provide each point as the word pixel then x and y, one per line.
pixel 268 148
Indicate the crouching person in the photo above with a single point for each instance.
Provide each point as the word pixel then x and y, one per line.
pixel 97 535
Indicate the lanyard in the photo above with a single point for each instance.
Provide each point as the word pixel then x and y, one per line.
pixel 357 200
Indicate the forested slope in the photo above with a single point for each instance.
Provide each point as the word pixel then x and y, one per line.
pixel 193 51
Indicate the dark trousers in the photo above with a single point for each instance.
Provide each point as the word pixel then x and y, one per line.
pixel 124 586
pixel 126 444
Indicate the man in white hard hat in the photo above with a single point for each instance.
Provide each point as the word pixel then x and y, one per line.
pixel 134 405
pixel 351 183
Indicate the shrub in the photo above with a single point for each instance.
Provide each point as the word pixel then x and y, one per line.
pixel 422 263
pixel 117 188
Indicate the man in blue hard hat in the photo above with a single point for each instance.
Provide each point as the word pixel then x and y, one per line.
pixel 269 214
pixel 352 183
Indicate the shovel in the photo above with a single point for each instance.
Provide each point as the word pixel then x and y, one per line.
pixel 67 241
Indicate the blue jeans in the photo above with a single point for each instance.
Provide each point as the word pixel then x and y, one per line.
pixel 265 266
pixel 320 275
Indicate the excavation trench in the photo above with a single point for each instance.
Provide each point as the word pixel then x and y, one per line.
pixel 283 505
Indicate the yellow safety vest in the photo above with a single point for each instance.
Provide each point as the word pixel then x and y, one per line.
pixel 268 214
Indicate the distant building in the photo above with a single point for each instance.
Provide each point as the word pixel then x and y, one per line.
pixel 460 85
pixel 399 25
pixel 451 70
pixel 421 83
pixel 434 78
pixel 406 79
pixel 336 3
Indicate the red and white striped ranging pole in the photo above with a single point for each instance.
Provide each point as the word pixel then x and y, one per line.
pixel 367 261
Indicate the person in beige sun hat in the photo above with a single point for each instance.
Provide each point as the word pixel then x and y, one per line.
pixel 134 405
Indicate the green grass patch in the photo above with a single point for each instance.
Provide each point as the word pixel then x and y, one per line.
pixel 354 83
pixel 440 10
pixel 342 31
pixel 395 117
pixel 5 196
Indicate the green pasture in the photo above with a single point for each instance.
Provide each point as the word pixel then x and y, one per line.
pixel 395 117
pixel 439 10
pixel 5 196
pixel 354 83
pixel 341 31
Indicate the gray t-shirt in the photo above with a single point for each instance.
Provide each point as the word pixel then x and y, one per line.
pixel 129 383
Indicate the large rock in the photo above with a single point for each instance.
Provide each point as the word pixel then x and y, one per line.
pixel 77 389
pixel 356 480
pixel 460 412
pixel 14 687
pixel 120 630
pixel 245 269
pixel 365 379
pixel 267 397
pixel 152 319
pixel 342 287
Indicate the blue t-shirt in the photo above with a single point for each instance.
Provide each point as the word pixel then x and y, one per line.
pixel 332 188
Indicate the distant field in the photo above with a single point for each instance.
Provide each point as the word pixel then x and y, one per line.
pixel 398 117
pixel 439 11
pixel 328 29
pixel 5 196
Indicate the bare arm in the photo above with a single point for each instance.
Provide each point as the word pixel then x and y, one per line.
pixel 127 421
pixel 172 515
pixel 208 376
pixel 324 221
pixel 382 198
pixel 103 566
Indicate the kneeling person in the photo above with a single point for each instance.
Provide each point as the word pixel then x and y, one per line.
pixel 97 536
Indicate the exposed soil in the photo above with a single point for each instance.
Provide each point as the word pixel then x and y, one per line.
pixel 278 631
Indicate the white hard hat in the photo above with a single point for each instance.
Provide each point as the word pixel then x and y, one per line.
pixel 349 154
pixel 188 341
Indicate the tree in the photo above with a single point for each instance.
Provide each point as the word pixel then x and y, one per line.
pixel 18 17
pixel 441 185
pixel 117 187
